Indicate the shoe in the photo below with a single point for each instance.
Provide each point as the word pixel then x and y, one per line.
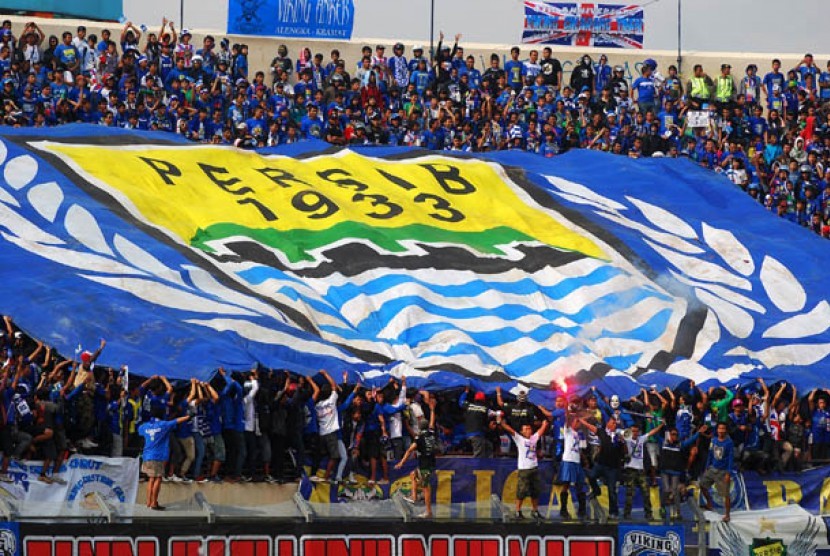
pixel 424 515
pixel 6 478
pixel 44 479
pixel 627 515
pixel 231 480
pixel 352 479
pixel 649 516
pixel 269 479
pixel 202 480
pixel 410 499
pixel 167 479
pixel 518 515
pixel 565 515
pixel 185 480
pixel 383 482
pixel 158 508
pixel 215 479
pixel 536 515
pixel 175 479
pixel 247 479
pixel 316 479
pixel 58 481
pixel 87 443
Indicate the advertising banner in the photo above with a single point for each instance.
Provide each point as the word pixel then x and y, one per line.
pixel 310 539
pixel 100 10
pixel 649 540
pixel 583 24
pixel 316 19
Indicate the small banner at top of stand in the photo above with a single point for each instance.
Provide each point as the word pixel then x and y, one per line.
pixel 315 19
pixel 583 24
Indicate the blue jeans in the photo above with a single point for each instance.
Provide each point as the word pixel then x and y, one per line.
pixel 610 477
pixel 200 454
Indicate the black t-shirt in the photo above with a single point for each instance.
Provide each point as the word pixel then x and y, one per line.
pixel 519 414
pixel 611 449
pixel 550 71
pixel 427 445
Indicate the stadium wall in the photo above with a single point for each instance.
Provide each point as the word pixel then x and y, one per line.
pixel 708 25
pixel 262 50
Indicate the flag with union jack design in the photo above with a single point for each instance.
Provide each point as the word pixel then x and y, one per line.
pixel 583 24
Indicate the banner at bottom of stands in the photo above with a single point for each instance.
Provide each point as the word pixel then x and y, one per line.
pixel 785 531
pixel 310 539
pixel 464 480
pixel 114 479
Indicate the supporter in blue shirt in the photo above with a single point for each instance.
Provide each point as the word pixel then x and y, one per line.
pixel 515 70
pixel 156 452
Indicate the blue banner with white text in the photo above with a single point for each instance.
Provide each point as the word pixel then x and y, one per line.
pixel 315 19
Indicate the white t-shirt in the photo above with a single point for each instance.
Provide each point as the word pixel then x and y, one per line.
pixel 570 452
pixel 527 450
pixel 327 421
pixel 395 425
pixel 635 453
pixel 249 413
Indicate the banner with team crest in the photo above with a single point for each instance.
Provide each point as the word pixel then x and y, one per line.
pixel 504 270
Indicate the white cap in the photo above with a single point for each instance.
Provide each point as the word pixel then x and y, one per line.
pixel 417 47
pixel 197 58
pixel 186 32
pixel 18 334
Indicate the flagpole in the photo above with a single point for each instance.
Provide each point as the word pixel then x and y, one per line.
pixel 431 30
pixel 679 36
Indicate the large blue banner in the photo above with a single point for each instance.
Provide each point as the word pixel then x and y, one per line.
pixel 315 19
pixel 464 480
pixel 508 270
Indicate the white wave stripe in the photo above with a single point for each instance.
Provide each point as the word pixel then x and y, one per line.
pixel 261 334
pixel 732 251
pixel 568 305
pixel 581 201
pixel 580 190
pixel 783 289
pixel 24 229
pixel 816 322
pixel 81 225
pixel 20 171
pixel 560 369
pixel 46 198
pixel 700 269
pixel 74 259
pixel 661 237
pixel 722 292
pixel 6 197
pixel 797 355
pixel 738 322
pixel 143 260
pixel 503 353
pixel 355 308
pixel 167 296
pixel 547 276
pixel 627 319
pixel 663 219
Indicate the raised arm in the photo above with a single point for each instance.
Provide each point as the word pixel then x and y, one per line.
pixel 499 399
pixel 314 389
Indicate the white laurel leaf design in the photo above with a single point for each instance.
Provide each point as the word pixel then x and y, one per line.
pixel 20 171
pixel 128 267
pixel 714 284
pixel 81 225
pixel 783 289
pixel 46 198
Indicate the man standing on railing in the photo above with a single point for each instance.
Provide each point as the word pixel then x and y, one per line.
pixel 719 469
pixel 529 485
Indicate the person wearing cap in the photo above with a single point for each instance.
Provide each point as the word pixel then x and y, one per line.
pixel 725 90
pixel 398 66
pixel 417 56
pixel 380 60
pixel 443 59
pixel 477 415
pixel 185 50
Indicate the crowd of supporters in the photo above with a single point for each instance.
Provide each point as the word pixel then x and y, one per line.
pixel 262 425
pixel 769 134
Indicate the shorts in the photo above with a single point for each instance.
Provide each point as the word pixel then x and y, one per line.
pixel 371 444
pixel 153 468
pixel 328 442
pixel 217 447
pixel 715 477
pixel 423 477
pixel 571 473
pixel 528 485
